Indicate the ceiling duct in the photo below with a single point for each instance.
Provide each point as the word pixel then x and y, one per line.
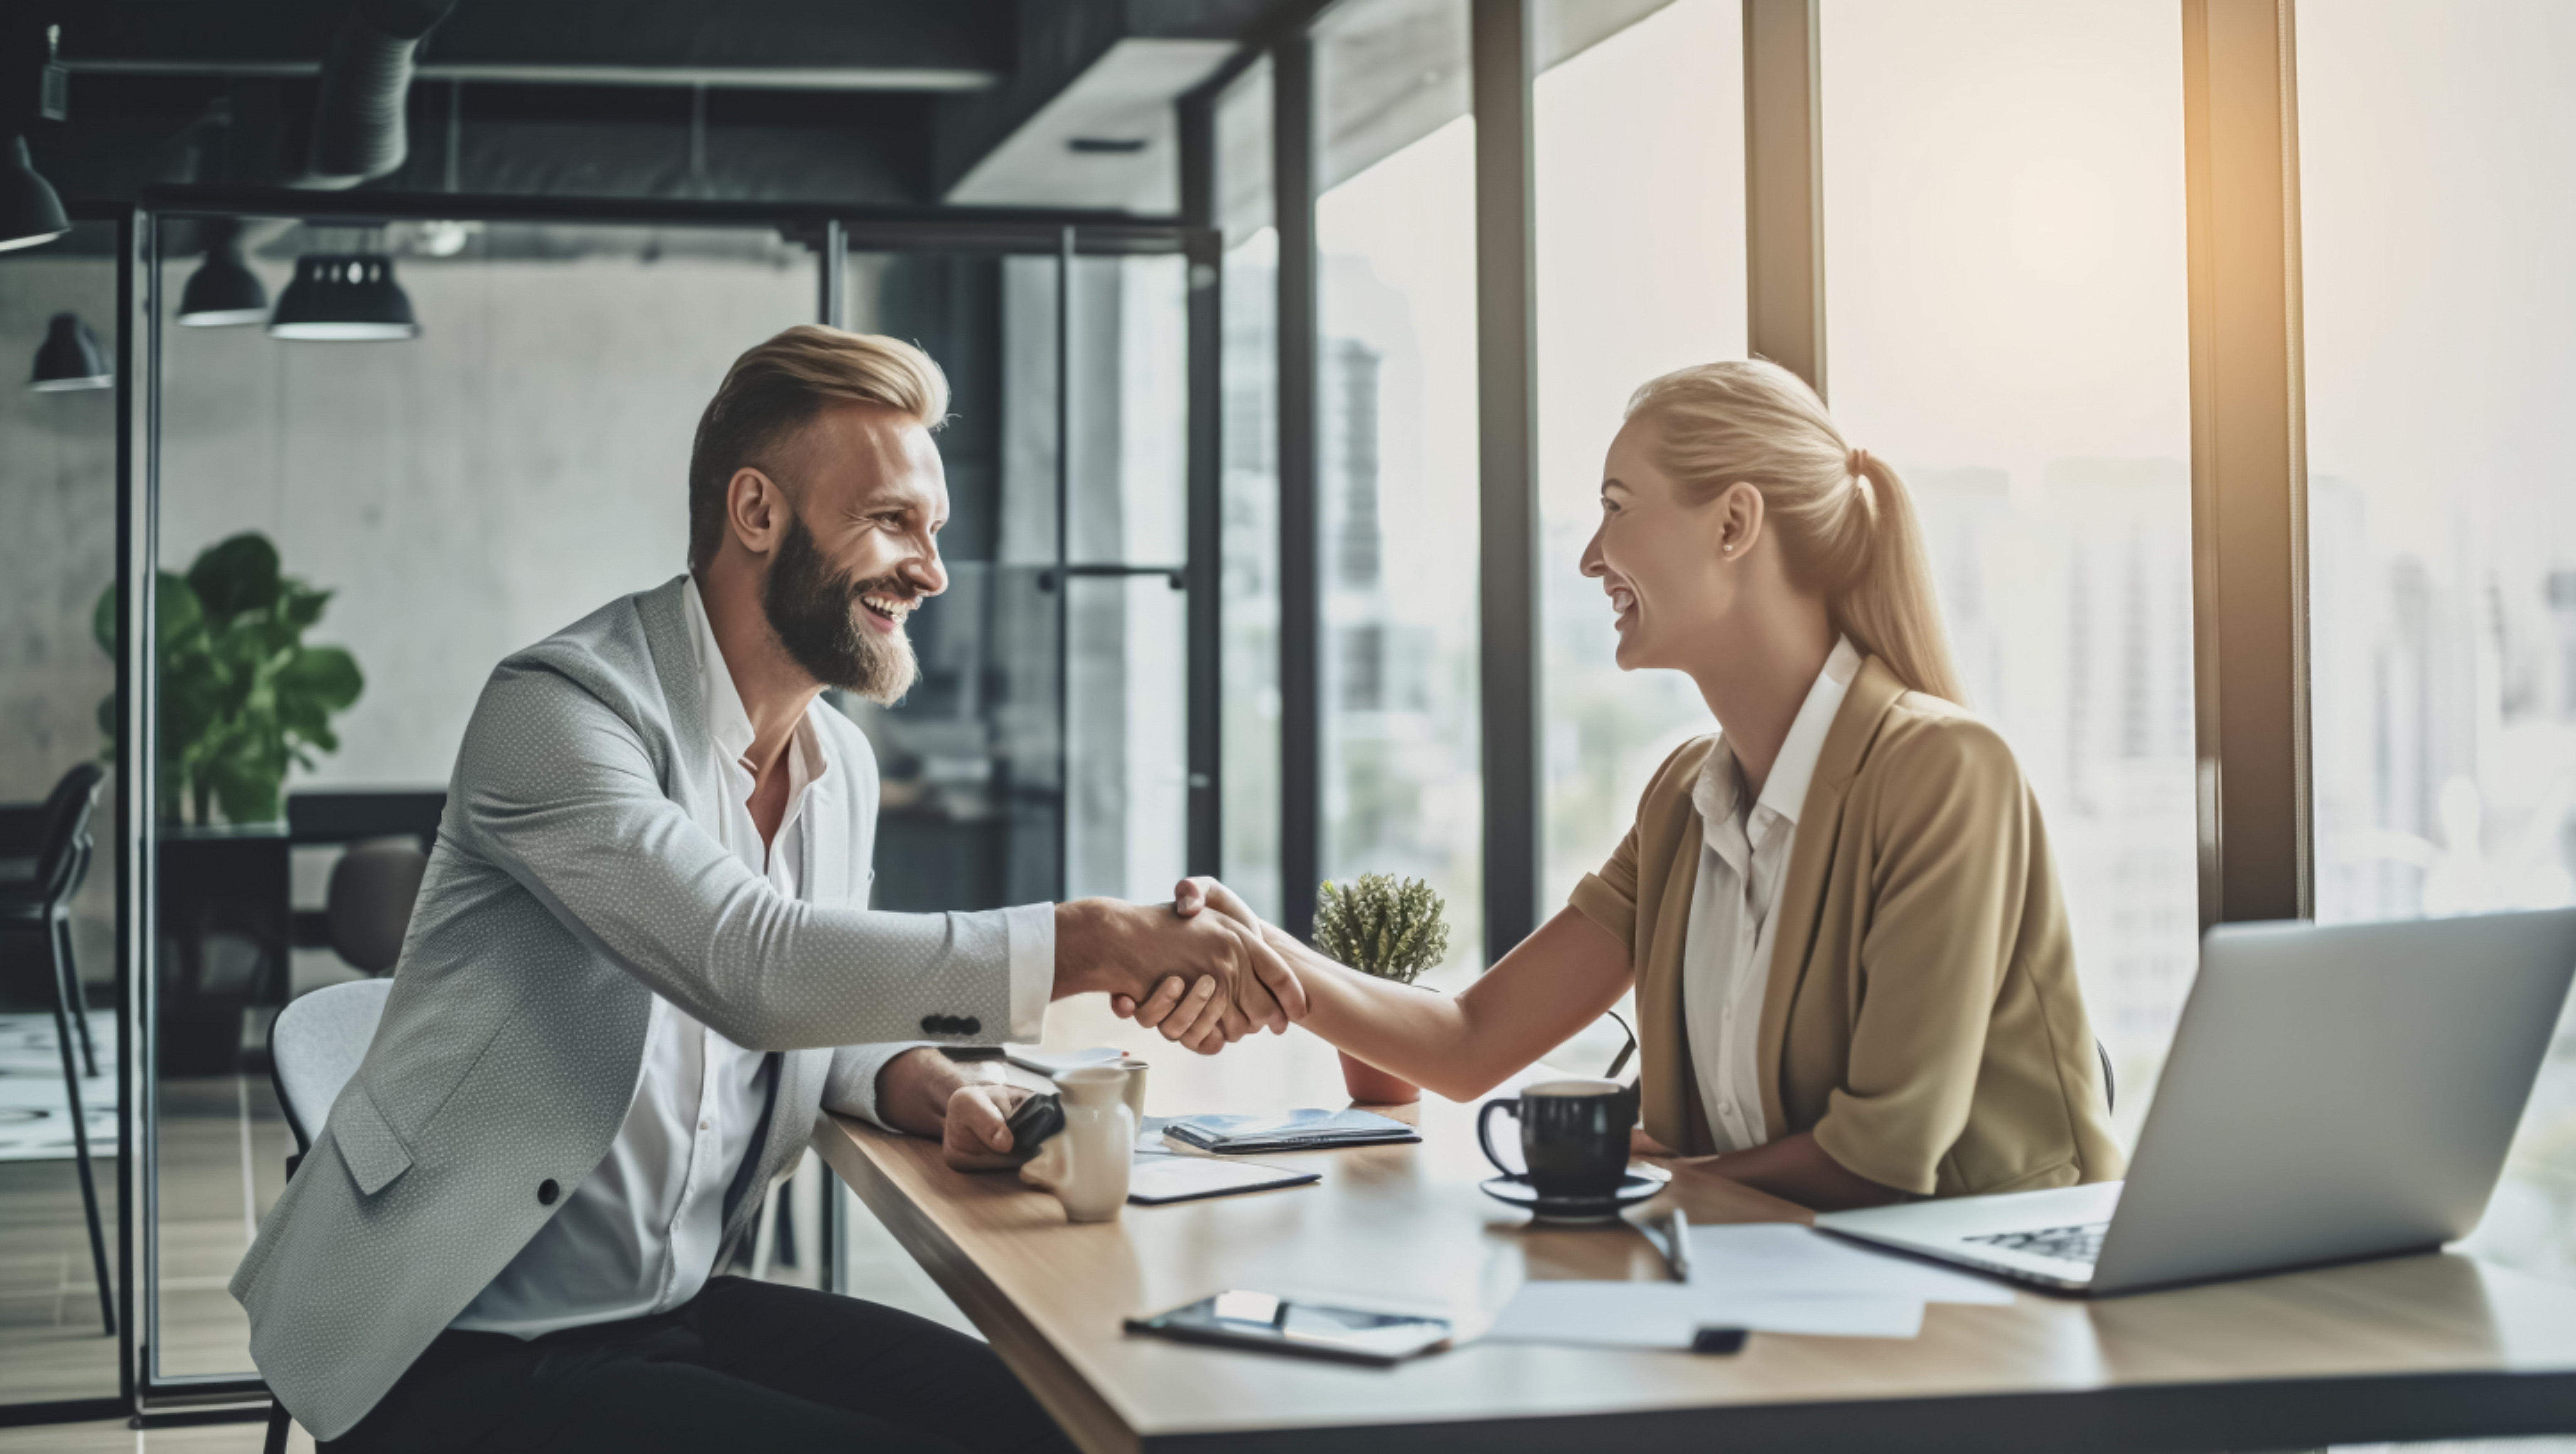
pixel 358 117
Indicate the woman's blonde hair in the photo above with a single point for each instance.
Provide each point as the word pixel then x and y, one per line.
pixel 1846 522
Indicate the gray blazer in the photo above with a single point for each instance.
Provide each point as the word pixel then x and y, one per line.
pixel 577 875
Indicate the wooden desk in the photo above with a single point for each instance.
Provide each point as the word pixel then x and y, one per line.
pixel 2410 1348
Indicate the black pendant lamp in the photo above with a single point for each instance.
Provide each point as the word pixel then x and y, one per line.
pixel 30 213
pixel 340 297
pixel 70 358
pixel 223 292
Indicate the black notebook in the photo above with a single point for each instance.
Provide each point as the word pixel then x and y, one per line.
pixel 1311 1130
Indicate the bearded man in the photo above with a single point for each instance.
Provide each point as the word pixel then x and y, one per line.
pixel 642 963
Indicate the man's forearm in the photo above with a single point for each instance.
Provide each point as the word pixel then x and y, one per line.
pixel 914 1087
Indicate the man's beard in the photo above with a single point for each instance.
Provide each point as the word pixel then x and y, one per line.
pixel 814 611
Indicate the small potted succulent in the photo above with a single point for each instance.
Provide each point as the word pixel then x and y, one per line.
pixel 1391 929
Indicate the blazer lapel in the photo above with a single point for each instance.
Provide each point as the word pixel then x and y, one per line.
pixel 675 666
pixel 1802 896
pixel 1672 1109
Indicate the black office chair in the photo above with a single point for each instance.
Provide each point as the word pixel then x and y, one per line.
pixel 41 904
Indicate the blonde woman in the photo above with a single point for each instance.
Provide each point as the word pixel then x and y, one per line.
pixel 1853 973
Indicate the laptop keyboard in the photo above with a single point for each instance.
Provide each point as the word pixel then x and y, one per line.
pixel 2066 1244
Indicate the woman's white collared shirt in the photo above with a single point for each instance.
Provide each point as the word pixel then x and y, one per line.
pixel 1743 864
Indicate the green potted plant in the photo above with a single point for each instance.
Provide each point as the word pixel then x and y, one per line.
pixel 1392 929
pixel 242 697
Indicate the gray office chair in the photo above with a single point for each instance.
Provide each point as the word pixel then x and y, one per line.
pixel 313 1049
pixel 41 904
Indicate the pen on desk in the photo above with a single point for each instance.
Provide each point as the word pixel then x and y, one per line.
pixel 1677 1230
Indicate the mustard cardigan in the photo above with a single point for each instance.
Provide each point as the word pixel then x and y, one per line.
pixel 1922 1015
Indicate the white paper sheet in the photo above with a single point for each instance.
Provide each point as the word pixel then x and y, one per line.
pixel 1776 1258
pixel 1611 1314
pixel 1666 1314
pixel 1815 1315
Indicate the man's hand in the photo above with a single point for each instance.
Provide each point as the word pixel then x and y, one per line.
pixel 924 1093
pixel 1174 999
pixel 976 1136
pixel 1233 981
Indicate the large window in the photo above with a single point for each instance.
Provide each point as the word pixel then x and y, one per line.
pixel 1640 209
pixel 2006 279
pixel 1395 225
pixel 2436 228
pixel 1248 493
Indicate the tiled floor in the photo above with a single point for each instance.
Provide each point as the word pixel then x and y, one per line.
pixel 113 1437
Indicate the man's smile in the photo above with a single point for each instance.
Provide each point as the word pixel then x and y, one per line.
pixel 885 612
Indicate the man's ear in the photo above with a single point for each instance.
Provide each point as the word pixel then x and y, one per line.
pixel 756 510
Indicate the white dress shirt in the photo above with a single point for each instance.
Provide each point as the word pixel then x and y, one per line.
pixel 1743 862
pixel 639 1235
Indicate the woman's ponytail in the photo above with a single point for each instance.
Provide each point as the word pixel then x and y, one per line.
pixel 1847 524
pixel 1888 607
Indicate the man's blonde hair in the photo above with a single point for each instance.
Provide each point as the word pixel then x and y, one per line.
pixel 777 388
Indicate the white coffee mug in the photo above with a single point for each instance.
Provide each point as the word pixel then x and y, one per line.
pixel 1087 1163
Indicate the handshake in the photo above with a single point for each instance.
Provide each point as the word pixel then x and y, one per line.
pixel 1203 979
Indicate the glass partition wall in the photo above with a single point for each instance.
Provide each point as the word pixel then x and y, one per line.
pixel 391 517
pixel 61 417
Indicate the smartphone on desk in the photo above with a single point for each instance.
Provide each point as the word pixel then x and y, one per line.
pixel 1244 1319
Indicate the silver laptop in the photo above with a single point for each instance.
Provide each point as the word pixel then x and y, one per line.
pixel 2333 1093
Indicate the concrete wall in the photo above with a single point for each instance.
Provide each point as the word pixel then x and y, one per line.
pixel 520 464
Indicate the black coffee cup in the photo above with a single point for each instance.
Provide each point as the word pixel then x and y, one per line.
pixel 1574 1134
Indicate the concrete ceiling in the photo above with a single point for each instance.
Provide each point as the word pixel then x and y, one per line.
pixel 831 101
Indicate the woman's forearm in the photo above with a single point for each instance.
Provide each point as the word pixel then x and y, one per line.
pixel 1414 1033
pixel 1551 985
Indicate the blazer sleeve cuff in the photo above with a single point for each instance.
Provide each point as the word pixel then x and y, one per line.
pixel 1597 901
pixel 1890 1155
pixel 1030 929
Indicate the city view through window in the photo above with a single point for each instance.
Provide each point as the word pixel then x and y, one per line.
pixel 2441 521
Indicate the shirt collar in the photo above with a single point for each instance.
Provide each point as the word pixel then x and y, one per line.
pixel 1716 792
pixel 727 722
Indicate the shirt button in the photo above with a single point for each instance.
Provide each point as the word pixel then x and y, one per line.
pixel 706 1125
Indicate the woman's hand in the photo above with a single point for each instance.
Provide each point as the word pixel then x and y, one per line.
pixel 1182 1011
